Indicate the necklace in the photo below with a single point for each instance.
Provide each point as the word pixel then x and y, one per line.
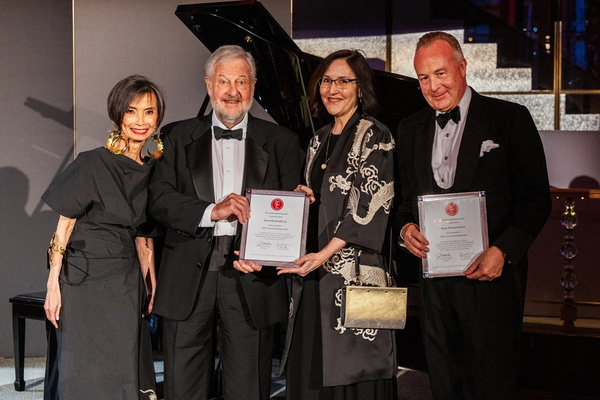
pixel 324 165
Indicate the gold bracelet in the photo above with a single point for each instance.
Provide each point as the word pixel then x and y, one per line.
pixel 55 248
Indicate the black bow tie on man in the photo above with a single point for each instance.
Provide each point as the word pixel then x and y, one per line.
pixel 454 115
pixel 221 133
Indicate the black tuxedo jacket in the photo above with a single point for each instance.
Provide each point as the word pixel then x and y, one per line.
pixel 513 175
pixel 180 190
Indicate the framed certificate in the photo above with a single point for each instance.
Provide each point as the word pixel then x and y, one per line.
pixel 275 234
pixel 456 227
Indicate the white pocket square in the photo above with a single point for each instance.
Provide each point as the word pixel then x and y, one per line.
pixel 486 146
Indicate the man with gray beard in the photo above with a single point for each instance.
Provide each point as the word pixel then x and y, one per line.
pixel 196 192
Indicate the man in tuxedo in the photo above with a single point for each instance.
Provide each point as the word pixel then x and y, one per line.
pixel 196 192
pixel 466 142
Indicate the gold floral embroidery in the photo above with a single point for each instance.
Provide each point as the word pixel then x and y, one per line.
pixel 342 263
pixel 382 198
pixel 151 394
pixel 381 192
pixel 312 152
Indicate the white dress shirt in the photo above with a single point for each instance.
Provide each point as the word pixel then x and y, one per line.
pixel 228 157
pixel 446 145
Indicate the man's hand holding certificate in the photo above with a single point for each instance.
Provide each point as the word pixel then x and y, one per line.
pixel 455 226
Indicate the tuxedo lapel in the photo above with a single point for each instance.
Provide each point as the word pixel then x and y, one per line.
pixel 424 135
pixel 256 158
pixel 199 161
pixel 476 130
pixel 322 135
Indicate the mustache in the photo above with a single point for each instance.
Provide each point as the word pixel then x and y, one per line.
pixel 231 98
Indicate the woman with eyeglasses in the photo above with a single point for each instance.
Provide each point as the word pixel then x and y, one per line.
pixel 350 179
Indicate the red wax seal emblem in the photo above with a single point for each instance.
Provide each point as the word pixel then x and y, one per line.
pixel 451 209
pixel 277 204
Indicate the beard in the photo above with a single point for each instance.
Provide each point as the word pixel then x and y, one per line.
pixel 228 118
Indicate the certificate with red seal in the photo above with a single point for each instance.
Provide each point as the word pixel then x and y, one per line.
pixel 456 227
pixel 275 234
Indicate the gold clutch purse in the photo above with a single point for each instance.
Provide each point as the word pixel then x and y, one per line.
pixel 372 306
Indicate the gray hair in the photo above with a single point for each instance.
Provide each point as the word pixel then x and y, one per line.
pixel 228 53
pixel 427 39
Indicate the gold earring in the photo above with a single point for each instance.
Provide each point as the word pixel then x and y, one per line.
pixel 112 143
pixel 159 147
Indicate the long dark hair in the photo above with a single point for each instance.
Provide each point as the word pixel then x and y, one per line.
pixel 364 76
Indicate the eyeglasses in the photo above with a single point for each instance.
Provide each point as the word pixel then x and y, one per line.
pixel 341 83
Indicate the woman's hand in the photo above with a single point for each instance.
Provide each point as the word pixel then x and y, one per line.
pixel 305 264
pixel 307 190
pixel 53 302
pixel 145 252
pixel 312 261
pixel 53 297
pixel 150 281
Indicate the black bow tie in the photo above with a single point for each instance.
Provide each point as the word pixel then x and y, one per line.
pixel 221 133
pixel 454 115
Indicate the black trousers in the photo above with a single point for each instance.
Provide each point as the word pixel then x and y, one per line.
pixel 471 332
pixel 246 353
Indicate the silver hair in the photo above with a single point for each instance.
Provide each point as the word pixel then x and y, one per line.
pixel 228 53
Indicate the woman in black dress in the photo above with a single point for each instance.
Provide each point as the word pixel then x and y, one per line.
pixel 102 276
pixel 349 176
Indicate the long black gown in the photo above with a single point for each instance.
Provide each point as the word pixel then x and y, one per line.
pixel 322 362
pixel 100 336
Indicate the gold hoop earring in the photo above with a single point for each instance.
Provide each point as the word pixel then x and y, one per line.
pixel 159 147
pixel 112 143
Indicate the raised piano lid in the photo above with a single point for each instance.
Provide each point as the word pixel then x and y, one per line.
pixel 283 69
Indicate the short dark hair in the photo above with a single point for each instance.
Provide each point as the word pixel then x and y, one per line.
pixel 129 89
pixel 364 75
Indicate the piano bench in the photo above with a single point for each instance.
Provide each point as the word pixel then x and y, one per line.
pixel 29 305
